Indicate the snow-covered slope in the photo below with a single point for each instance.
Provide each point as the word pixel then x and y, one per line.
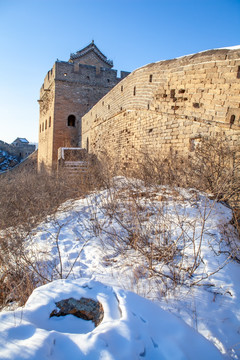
pixel 90 238
pixel 132 328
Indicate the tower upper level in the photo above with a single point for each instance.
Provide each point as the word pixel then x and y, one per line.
pixel 91 55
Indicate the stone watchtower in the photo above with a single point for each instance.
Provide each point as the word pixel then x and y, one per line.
pixel 69 90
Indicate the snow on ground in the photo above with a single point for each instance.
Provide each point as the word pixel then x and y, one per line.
pixel 167 245
pixel 132 328
pixel 7 161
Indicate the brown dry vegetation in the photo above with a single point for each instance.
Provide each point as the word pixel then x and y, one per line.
pixel 27 197
pixel 213 167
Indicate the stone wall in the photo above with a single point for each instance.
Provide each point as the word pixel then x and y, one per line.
pixel 46 123
pixel 7 148
pixel 168 105
pixel 21 151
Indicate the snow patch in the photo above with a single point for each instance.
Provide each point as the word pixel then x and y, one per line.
pixel 140 330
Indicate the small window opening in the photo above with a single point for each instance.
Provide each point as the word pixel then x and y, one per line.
pixel 65 74
pixel 172 93
pixel 102 103
pixel 71 120
pixel 108 107
pixel 238 73
pixel 108 80
pixel 150 78
pixel 122 88
pixel 87 145
pixel 45 124
pixel 88 77
pixel 49 123
pixel 134 90
pixel 148 106
pixel 232 119
pixel 42 126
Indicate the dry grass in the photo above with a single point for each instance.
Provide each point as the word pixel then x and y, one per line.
pixel 27 197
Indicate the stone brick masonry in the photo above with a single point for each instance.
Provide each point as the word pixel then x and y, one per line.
pixel 70 89
pixel 168 105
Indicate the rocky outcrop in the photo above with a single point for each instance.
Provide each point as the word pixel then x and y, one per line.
pixel 84 308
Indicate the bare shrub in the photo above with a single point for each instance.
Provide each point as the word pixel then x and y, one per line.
pixel 26 198
pixel 170 248
pixel 161 169
pixel 155 229
pixel 215 167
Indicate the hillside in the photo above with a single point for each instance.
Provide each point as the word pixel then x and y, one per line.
pixel 170 245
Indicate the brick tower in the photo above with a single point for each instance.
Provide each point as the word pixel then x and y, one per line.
pixel 69 90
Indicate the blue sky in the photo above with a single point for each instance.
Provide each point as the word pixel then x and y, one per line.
pixel 132 33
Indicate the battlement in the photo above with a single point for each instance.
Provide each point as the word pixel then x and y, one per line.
pixel 48 80
pixel 82 73
pixel 87 74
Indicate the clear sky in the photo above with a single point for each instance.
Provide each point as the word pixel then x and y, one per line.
pixel 132 33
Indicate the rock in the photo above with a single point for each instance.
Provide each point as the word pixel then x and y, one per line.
pixel 84 308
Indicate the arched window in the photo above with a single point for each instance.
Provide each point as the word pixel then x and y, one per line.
pixel 71 120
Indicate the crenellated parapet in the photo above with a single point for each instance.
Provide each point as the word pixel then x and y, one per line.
pixel 87 74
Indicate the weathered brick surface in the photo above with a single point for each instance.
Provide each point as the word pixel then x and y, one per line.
pixel 70 88
pixel 167 105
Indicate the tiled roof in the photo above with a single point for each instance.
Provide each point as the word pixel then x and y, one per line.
pixel 87 49
pixel 23 140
